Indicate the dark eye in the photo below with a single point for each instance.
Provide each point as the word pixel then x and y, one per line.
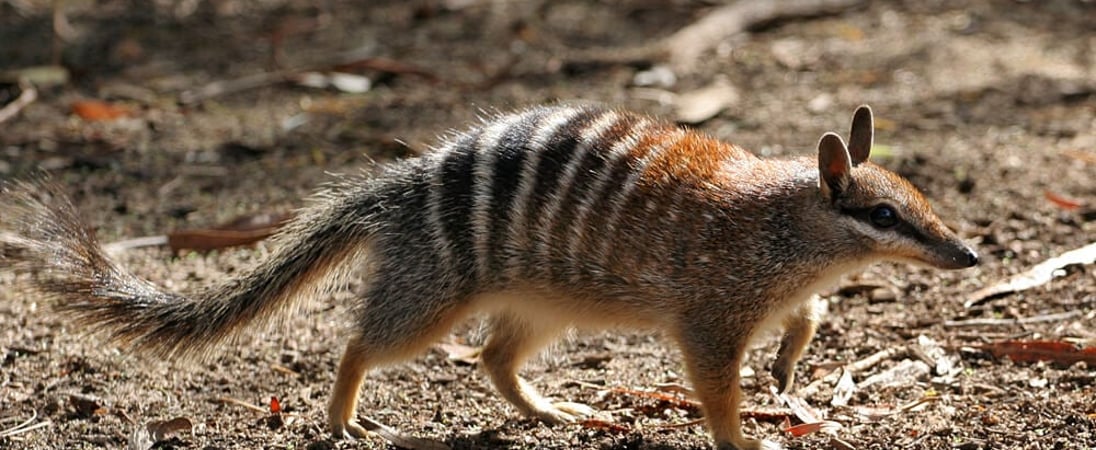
pixel 883 216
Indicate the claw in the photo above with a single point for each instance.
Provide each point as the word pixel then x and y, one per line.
pixel 354 430
pixel 784 376
pixel 752 444
pixel 578 410
pixel 565 412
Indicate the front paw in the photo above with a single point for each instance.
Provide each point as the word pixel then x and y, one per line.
pixel 361 428
pixel 751 444
pixel 565 412
pixel 784 373
pixel 347 430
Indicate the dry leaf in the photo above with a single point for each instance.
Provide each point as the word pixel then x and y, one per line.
pixel 804 429
pixel 1062 201
pixel 86 405
pixel 704 103
pixel 1036 276
pixel 605 425
pixel 804 412
pixel 873 414
pixel 1080 155
pixel 95 110
pixel 844 389
pixel 1031 351
pixel 240 231
pixel 673 400
pixel 904 373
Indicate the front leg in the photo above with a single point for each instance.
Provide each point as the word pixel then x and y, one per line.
pixel 799 328
pixel 713 350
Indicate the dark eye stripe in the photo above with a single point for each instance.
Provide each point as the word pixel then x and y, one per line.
pixel 863 214
pixel 904 227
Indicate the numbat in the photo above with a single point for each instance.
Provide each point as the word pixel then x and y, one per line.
pixel 546 219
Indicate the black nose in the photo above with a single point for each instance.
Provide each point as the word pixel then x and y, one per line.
pixel 972 258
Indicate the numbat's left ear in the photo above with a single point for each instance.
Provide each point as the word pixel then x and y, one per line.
pixel 834 165
pixel 861 135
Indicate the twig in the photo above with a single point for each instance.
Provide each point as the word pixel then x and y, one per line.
pixel 1015 321
pixel 25 426
pixel 690 423
pixel 238 402
pixel 854 367
pixel 1080 155
pixel 33 415
pixel 343 61
pixel 1038 275
pixel 285 370
pixel 27 95
pixel 116 247
pixel 223 87
pixel 398 438
pixel 686 46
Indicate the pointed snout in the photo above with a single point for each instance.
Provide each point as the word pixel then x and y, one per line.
pixel 969 258
pixel 955 255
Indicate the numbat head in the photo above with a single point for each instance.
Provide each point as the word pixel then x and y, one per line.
pixel 546 219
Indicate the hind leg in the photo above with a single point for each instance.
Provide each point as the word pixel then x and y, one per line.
pixel 513 340
pixel 391 330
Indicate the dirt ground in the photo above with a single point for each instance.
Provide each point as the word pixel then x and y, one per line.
pixel 988 106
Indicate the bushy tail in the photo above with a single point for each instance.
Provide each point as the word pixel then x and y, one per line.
pixel 41 234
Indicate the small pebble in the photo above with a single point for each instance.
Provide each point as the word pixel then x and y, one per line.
pixel 882 295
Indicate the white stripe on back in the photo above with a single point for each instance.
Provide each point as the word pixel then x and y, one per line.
pixel 617 153
pixel 518 231
pixel 483 179
pixel 590 136
pixel 621 197
pixel 434 203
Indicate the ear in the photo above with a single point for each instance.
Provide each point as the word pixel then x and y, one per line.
pixel 861 135
pixel 834 165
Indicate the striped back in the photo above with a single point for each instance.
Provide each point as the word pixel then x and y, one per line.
pixel 543 192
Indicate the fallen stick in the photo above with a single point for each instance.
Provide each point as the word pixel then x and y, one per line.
pixel 238 402
pixel 853 367
pixel 1015 321
pixel 1038 275
pixel 27 95
pixel 687 45
pixel 398 438
pixel 26 426
pixel 1031 351
pixel 223 87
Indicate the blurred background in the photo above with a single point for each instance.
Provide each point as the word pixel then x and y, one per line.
pixel 160 116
